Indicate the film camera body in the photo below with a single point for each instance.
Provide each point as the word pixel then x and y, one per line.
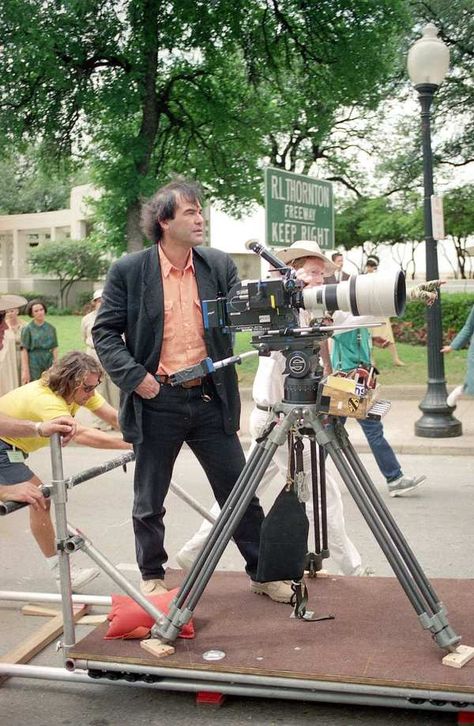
pixel 257 306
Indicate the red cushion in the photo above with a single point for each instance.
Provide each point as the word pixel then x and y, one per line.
pixel 129 620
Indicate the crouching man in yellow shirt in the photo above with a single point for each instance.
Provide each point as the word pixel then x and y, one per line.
pixel 62 390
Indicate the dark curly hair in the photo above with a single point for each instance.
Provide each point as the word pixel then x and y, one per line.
pixel 162 205
pixel 70 372
pixel 36 301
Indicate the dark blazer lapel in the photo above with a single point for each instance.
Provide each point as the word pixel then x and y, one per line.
pixel 204 278
pixel 152 287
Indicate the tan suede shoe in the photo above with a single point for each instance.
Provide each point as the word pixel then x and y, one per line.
pixel 153 587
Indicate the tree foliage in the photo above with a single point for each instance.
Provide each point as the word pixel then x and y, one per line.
pixel 455 97
pixel 452 112
pixel 207 89
pixel 68 261
pixel 369 222
pixel 26 187
pixel 459 224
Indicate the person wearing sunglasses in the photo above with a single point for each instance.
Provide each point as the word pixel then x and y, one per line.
pixel 62 390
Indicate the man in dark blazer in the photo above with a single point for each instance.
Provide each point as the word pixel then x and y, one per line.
pixel 149 326
pixel 339 274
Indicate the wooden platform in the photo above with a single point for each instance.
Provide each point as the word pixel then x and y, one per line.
pixel 375 638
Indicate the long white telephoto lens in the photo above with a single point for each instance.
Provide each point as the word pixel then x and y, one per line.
pixel 375 294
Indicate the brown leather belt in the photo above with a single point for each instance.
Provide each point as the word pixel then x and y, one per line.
pixel 264 408
pixel 186 384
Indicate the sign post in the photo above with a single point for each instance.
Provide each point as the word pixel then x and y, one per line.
pixel 437 217
pixel 298 207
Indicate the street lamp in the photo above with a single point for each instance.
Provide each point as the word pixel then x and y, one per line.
pixel 428 63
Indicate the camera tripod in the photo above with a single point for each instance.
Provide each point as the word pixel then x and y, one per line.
pixel 301 412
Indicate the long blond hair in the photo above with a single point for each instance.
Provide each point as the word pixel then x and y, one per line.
pixel 70 372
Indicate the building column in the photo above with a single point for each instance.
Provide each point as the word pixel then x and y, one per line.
pixel 5 246
pixel 17 250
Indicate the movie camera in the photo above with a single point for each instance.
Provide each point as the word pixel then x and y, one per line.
pixel 262 306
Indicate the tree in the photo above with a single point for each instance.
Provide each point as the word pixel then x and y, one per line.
pixel 26 187
pixel 454 109
pixel 370 222
pixel 68 261
pixel 452 115
pixel 459 222
pixel 209 89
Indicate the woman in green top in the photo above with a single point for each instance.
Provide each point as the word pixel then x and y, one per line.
pixel 39 343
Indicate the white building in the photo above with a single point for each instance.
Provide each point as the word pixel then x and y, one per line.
pixel 19 233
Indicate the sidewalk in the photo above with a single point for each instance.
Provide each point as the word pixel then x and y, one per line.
pixel 399 424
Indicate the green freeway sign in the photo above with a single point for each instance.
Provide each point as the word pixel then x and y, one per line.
pixel 298 207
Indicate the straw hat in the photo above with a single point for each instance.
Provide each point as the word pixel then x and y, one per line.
pixel 9 302
pixel 306 248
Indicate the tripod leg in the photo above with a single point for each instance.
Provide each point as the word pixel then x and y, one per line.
pixel 388 520
pixel 183 605
pixel 324 509
pixel 419 591
pixel 314 560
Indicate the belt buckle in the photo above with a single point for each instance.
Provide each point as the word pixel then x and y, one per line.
pixel 192 383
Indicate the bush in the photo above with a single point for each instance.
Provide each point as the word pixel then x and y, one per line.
pixel 412 327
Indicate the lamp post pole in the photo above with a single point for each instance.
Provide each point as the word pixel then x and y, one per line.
pixel 428 61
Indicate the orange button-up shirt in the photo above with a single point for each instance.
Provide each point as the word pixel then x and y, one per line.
pixel 183 334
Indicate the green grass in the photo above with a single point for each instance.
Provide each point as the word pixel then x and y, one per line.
pixel 68 328
pixel 414 373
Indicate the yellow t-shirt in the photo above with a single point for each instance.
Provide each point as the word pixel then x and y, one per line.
pixel 35 402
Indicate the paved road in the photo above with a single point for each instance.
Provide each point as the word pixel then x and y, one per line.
pixel 437 522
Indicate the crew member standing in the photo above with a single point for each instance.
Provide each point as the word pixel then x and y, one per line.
pixel 153 299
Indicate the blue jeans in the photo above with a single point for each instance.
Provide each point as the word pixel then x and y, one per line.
pixel 381 449
pixel 175 416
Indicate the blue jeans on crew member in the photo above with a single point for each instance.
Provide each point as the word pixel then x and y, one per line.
pixel 381 449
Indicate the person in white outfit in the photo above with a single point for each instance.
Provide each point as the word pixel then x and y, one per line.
pixel 268 388
pixel 107 387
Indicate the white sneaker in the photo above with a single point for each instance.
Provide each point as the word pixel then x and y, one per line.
pixel 80 577
pixel 365 572
pixel 454 395
pixel 404 484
